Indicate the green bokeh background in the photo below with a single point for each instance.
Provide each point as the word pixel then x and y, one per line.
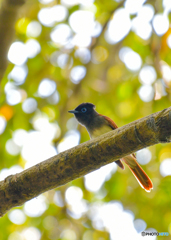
pixel 114 90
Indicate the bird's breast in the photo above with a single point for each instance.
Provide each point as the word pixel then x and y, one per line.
pixel 99 131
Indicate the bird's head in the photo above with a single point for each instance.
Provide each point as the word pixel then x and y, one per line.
pixel 84 113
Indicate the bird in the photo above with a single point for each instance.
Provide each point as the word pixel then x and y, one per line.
pixel 98 124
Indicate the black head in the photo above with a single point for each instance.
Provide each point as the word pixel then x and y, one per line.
pixel 84 113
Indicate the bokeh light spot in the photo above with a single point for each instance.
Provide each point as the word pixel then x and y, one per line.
pixel 94 180
pixel 166 71
pixel 146 12
pixel 61 34
pixel 34 29
pixel 18 74
pixel 21 25
pixel 58 200
pixel 160 24
pixel 73 194
pixel 83 54
pixel 45 17
pixel 77 74
pixel 133 6
pixel 12 148
pixel 141 28
pixel 64 61
pixel 29 105
pixel 141 24
pixel 19 136
pixel 13 96
pixel 118 27
pixel 144 156
pixel 103 216
pixel 38 147
pixel 146 93
pixel 72 124
pixel 96 30
pixel 46 88
pixel 32 47
pixel 35 207
pixel 42 124
pixel 82 22
pixel 131 59
pixel 17 53
pixel 165 167
pixel 147 75
pixel 71 139
pixel 17 217
pixel 81 40
pixel 6 111
pixel 140 225
pixel 59 13
pixel 31 233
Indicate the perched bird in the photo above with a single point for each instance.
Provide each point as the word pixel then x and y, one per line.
pixel 96 125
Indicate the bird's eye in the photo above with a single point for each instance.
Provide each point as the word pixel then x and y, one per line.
pixel 84 110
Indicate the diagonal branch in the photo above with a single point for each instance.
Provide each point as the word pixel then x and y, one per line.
pixel 76 162
pixel 8 16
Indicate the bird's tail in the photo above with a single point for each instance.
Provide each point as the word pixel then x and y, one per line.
pixel 138 172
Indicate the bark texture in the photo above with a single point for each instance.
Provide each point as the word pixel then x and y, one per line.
pixel 8 16
pixel 84 158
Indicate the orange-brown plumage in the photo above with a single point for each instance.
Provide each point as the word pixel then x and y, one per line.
pixel 98 124
pixel 109 121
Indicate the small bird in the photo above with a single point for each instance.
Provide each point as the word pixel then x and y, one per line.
pixel 96 125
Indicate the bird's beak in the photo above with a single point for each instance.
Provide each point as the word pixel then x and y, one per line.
pixel 73 111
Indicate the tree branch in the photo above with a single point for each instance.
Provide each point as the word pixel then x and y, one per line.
pixel 84 158
pixel 8 16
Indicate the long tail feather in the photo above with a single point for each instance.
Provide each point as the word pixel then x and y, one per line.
pixel 138 172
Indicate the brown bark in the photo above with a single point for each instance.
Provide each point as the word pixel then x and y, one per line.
pixel 8 15
pixel 76 162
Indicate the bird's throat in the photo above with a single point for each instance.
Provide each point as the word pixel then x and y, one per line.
pixel 99 131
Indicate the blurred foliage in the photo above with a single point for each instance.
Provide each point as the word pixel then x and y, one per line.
pixel 114 89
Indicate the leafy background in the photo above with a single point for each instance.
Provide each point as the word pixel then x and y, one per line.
pixel 115 54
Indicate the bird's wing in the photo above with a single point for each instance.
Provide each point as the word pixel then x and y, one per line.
pixel 110 122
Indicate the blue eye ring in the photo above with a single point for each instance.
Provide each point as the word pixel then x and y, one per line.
pixel 84 110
